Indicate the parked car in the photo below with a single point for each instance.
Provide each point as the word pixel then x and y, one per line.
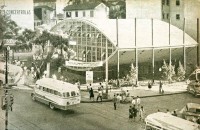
pixel 194 83
pixel 191 111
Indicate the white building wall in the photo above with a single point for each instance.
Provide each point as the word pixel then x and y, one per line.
pixel 20 11
pixel 60 5
pixel 143 9
pixel 101 11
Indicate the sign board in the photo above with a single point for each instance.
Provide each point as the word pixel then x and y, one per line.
pixel 83 64
pixel 72 42
pixel 89 76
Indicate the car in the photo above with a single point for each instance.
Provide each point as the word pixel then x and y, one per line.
pixel 194 83
pixel 191 112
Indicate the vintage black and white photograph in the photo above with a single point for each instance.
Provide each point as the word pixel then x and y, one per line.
pixel 99 64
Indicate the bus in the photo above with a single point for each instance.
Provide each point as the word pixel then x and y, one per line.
pixel 165 121
pixel 56 93
pixel 194 83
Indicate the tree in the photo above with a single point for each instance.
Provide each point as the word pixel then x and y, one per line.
pixel 8 29
pixel 180 72
pixel 168 72
pixel 132 74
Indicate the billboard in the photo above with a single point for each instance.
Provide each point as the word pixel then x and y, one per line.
pixel 20 11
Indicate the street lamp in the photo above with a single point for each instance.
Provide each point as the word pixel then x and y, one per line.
pixel 160 84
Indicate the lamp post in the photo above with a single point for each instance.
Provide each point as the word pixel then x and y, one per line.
pixel 6 91
pixel 160 84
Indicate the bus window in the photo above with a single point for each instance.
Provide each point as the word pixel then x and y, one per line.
pixel 40 87
pixel 56 92
pixel 44 89
pixel 59 94
pixel 73 93
pixel 192 77
pixel 67 94
pixel 77 94
pixel 51 91
pixel 198 76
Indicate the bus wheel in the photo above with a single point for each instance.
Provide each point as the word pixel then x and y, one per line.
pixel 51 106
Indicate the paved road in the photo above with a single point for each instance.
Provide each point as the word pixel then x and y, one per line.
pixel 30 115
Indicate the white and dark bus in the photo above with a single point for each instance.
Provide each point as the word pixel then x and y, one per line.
pixel 56 93
pixel 164 121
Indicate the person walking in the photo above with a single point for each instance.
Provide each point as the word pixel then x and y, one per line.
pixel 91 94
pixel 100 93
pixel 160 87
pixel 115 102
pixel 130 113
pixel 134 112
pixel 142 113
pixel 174 113
pixel 138 102
pixel 118 99
pixel 133 102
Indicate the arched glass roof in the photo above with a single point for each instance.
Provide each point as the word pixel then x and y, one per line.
pixel 149 33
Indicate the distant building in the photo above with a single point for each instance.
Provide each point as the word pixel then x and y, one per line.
pixel 43 15
pixel 166 10
pixel 86 10
pixel 142 41
pixel 19 11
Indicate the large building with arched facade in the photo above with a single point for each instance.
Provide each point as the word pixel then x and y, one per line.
pixel 143 42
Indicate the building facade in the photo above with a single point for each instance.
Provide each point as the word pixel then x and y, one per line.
pixel 19 11
pixel 87 10
pixel 143 42
pixel 174 11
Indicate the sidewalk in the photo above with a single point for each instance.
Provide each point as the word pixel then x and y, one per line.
pixel 141 91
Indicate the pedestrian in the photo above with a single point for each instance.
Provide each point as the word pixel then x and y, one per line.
pixel 127 93
pixel 134 112
pixel 118 99
pixel 130 112
pixel 174 113
pixel 79 85
pixel 142 113
pixel 99 95
pixel 160 87
pixel 88 88
pixel 133 102
pixel 115 102
pixel 138 102
pixel 91 94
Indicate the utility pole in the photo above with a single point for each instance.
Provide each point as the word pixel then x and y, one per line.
pixel 6 89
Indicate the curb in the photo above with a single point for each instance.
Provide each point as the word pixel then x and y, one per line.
pixel 110 100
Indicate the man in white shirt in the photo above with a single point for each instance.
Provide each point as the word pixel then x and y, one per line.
pixel 138 101
pixel 133 101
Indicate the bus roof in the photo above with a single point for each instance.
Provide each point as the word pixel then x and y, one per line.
pixel 193 105
pixel 170 122
pixel 56 84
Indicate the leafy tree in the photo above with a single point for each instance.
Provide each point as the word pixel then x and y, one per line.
pixel 180 72
pixel 132 74
pixel 119 11
pixel 8 29
pixel 168 72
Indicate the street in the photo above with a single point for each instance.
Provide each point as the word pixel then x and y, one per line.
pixel 31 115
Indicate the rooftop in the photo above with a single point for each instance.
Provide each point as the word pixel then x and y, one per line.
pixel 44 6
pixel 83 6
